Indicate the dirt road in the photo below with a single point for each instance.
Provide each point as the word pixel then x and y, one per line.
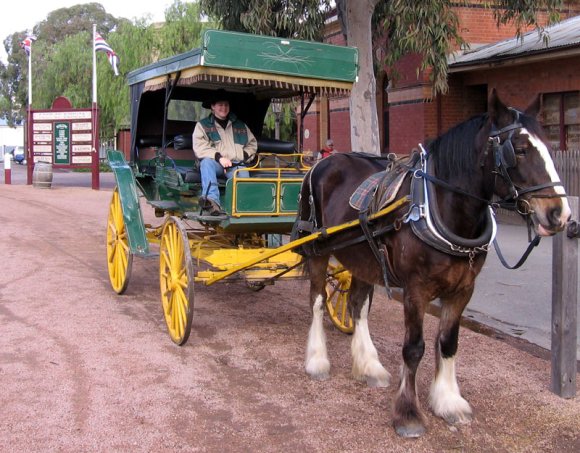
pixel 82 369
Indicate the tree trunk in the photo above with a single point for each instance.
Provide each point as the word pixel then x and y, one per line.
pixel 364 123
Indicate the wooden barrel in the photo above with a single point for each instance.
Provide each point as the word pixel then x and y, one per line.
pixel 42 175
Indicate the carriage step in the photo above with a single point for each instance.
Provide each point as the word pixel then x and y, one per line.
pixel 205 218
pixel 166 205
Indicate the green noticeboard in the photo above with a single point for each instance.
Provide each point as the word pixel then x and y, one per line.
pixel 62 143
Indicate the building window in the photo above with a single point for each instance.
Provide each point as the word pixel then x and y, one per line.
pixel 561 120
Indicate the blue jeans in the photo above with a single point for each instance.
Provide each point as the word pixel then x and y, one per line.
pixel 210 171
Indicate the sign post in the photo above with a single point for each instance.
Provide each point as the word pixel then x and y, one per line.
pixel 7 168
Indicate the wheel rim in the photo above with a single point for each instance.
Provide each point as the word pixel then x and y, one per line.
pixel 176 280
pixel 119 256
pixel 338 282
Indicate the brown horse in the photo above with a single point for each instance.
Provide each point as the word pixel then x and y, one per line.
pixel 432 247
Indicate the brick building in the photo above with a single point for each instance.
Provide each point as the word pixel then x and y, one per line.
pixel 409 113
pixel 520 70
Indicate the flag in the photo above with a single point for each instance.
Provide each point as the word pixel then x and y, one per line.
pixel 26 43
pixel 114 60
pixel 102 46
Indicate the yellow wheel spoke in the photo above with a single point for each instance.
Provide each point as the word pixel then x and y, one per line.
pixel 176 279
pixel 337 286
pixel 119 257
pixel 165 264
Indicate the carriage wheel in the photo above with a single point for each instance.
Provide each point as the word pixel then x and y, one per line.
pixel 338 281
pixel 176 280
pixel 119 256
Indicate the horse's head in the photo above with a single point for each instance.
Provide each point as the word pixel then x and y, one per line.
pixel 526 172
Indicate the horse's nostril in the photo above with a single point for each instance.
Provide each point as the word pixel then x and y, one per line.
pixel 555 216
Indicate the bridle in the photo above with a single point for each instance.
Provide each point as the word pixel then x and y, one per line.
pixel 505 158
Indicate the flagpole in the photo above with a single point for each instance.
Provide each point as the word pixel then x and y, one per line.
pixel 95 119
pixel 29 153
pixel 30 77
pixel 94 65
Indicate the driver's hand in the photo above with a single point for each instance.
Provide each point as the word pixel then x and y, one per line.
pixel 225 162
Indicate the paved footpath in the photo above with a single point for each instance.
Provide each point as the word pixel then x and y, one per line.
pixel 517 302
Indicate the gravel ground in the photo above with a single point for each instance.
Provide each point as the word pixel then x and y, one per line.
pixel 82 369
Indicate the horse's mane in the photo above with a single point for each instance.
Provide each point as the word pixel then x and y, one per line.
pixel 456 151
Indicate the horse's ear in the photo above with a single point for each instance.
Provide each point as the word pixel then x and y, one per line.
pixel 534 108
pixel 499 114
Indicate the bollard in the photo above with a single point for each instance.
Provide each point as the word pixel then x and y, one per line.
pixel 564 307
pixel 7 168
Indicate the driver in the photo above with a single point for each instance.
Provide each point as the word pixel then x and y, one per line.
pixel 222 142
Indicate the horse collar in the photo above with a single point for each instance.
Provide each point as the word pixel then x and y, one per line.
pixel 428 226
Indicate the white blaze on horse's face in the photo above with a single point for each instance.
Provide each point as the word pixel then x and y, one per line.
pixel 545 207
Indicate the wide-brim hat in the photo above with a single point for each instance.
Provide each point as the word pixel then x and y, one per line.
pixel 216 96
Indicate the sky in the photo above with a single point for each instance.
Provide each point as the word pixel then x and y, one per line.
pixel 16 18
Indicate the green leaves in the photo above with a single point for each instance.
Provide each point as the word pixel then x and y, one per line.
pixel 299 19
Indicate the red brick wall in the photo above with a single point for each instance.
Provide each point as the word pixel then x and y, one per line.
pixel 339 119
pixel 455 106
pixel 340 129
pixel 516 86
pixel 311 124
pixel 407 126
pixel 478 25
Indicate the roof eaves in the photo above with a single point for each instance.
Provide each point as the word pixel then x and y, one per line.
pixel 516 59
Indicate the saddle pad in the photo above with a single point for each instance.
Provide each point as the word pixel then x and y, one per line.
pixel 387 191
pixel 366 189
pixel 380 189
pixel 383 186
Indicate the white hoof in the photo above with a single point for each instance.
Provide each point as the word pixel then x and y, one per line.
pixel 373 373
pixel 318 368
pixel 454 410
pixel 445 399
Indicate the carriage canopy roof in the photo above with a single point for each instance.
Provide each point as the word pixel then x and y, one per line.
pixel 272 67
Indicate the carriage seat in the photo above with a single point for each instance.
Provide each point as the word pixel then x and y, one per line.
pixel 192 174
pixel 271 145
pixel 265 145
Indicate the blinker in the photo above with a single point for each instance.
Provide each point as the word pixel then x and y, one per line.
pixel 507 153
